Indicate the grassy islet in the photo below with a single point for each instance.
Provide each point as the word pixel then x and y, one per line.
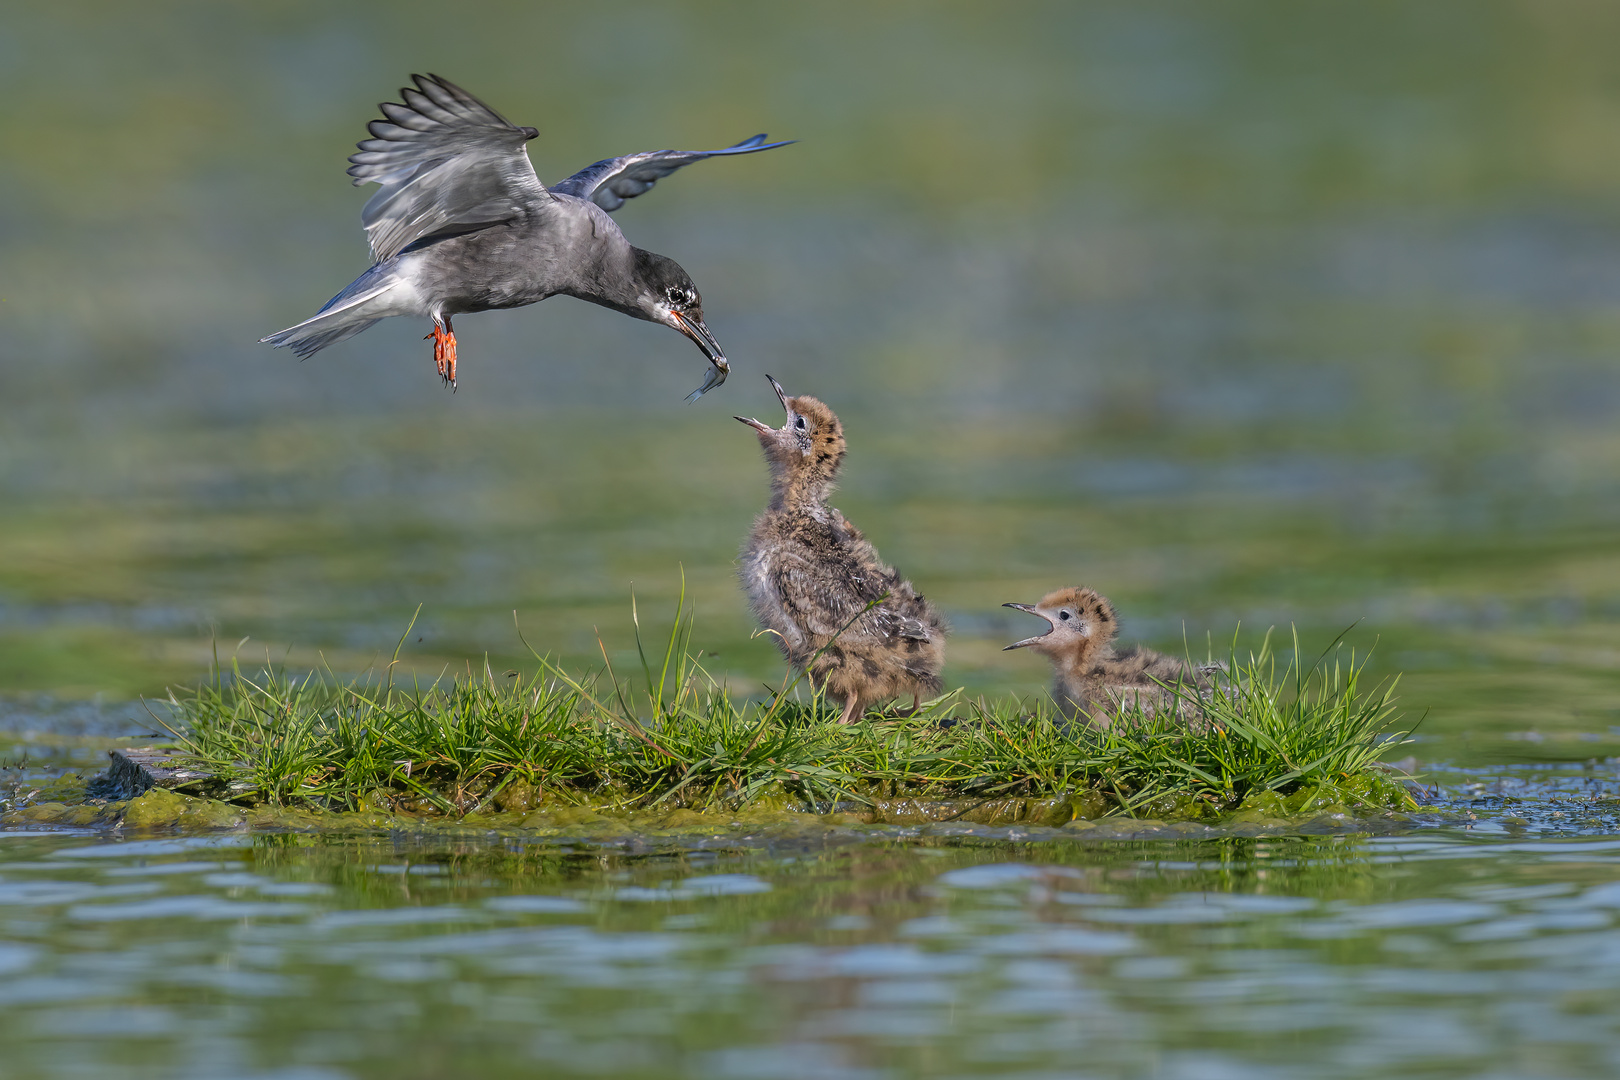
pixel 1273 736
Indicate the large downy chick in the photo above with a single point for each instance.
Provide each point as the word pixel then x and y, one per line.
pixel 858 628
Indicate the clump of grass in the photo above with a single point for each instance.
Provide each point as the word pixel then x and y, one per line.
pixel 678 737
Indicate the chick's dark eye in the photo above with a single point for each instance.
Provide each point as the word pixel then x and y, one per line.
pixel 798 422
pixel 1064 615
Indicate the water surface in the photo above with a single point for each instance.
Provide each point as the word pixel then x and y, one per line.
pixel 1443 953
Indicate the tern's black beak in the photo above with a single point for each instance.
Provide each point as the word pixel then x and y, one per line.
pixel 692 326
pixel 1029 640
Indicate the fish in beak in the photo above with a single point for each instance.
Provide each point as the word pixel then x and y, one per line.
pixel 1029 640
pixel 719 367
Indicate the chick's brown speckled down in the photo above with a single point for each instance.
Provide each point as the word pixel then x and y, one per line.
pixel 1090 678
pixel 818 587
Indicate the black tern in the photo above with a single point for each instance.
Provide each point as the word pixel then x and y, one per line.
pixel 463 224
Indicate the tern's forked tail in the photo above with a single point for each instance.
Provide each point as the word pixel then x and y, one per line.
pixel 370 298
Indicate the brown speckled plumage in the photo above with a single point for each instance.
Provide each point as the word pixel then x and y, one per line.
pixel 810 574
pixel 1090 678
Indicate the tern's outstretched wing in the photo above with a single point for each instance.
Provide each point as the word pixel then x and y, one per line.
pixel 446 161
pixel 608 183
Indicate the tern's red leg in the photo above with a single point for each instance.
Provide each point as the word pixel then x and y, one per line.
pixel 444 351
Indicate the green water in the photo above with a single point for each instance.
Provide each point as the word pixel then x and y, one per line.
pixel 1255 314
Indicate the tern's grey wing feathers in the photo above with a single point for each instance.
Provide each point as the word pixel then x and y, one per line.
pixel 443 159
pixel 611 181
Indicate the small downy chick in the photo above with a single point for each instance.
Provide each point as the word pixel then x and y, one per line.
pixel 811 576
pixel 1090 677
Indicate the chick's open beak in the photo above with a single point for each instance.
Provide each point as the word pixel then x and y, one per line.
pixel 1029 640
pixel 766 429
pixel 781 394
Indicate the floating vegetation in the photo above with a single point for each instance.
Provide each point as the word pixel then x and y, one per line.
pixel 1273 738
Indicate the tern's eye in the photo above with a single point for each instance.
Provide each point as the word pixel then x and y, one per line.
pixel 676 295
pixel 798 422
pixel 1064 615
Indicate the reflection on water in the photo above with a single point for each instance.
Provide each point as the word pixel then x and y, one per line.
pixel 1434 954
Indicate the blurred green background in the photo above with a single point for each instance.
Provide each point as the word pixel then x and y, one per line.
pixel 1259 313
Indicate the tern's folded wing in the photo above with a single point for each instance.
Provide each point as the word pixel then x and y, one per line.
pixel 446 162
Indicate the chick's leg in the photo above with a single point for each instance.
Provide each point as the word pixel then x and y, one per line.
pixel 912 710
pixel 852 709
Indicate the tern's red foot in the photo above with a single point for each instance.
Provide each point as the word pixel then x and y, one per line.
pixel 444 352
